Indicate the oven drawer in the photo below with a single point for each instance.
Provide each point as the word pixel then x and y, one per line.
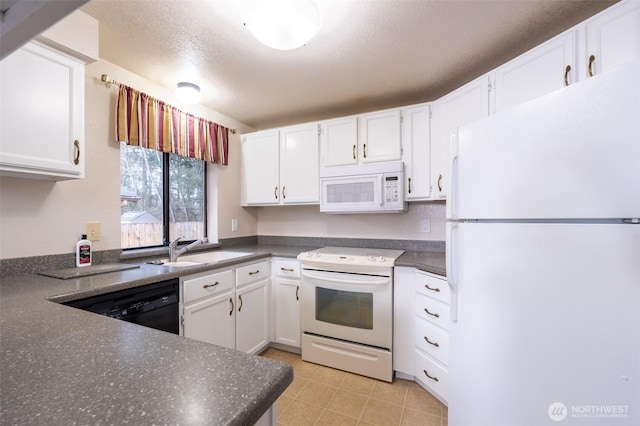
pixel 432 310
pixel 287 268
pixel 254 272
pixel 206 285
pixel 433 287
pixel 433 340
pixel 431 374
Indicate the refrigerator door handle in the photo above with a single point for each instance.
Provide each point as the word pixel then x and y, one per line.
pixel 452 206
pixel 451 261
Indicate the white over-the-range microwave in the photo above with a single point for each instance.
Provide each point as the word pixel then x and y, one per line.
pixel 363 188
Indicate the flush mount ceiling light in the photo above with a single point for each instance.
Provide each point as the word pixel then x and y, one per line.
pixel 281 24
pixel 188 93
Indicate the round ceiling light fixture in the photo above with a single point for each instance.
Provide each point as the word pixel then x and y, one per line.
pixel 282 24
pixel 188 93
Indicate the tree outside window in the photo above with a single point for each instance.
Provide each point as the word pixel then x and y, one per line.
pixel 163 197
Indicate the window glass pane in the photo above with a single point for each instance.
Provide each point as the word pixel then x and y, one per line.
pixel 140 197
pixel 186 198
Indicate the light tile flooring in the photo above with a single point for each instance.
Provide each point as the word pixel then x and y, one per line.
pixel 324 396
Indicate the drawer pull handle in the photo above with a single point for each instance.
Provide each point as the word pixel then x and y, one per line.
pixel 436 289
pixel 439 183
pixel 275 192
pixel 286 269
pixel 426 339
pixel 284 192
pixel 364 150
pixel 240 307
pixel 297 290
pixel 231 301
pixel 76 154
pixel 592 59
pixel 432 314
pixel 256 272
pixel 435 379
pixel 210 285
pixel 566 75
pixel 354 152
pixel 409 185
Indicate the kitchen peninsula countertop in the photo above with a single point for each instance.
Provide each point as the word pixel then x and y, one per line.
pixel 61 365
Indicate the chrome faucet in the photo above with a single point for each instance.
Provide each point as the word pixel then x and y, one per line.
pixel 174 251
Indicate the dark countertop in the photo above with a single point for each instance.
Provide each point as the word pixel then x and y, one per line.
pixel 61 365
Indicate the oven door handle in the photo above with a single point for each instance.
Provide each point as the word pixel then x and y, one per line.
pixel 350 280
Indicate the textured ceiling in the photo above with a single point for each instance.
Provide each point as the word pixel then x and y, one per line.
pixel 368 55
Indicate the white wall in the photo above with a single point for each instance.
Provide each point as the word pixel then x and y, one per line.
pixel 41 217
pixel 308 221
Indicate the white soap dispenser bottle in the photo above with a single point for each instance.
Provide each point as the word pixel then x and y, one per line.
pixel 83 252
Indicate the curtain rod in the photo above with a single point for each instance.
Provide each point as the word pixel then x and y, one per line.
pixel 108 81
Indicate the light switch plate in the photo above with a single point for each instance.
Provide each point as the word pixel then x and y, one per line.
pixel 93 231
pixel 234 225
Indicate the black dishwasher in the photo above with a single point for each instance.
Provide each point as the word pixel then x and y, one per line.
pixel 153 305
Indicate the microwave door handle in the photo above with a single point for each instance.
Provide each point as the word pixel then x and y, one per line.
pixel 384 191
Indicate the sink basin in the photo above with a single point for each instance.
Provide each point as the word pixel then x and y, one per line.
pixel 201 258
pixel 181 263
pixel 214 256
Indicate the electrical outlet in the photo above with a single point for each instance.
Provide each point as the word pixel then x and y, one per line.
pixel 234 225
pixel 425 226
pixel 93 231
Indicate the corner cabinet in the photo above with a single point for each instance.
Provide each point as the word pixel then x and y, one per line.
pixel 42 114
pixel 228 308
pixel 281 166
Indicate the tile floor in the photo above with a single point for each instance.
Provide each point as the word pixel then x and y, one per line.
pixel 324 396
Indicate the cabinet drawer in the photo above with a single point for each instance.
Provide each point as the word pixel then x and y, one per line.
pixel 429 373
pixel 432 310
pixel 287 268
pixel 206 285
pixel 253 272
pixel 433 287
pixel 432 340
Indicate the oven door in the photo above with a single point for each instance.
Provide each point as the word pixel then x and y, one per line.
pixel 352 307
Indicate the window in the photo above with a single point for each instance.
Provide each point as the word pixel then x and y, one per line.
pixel 162 197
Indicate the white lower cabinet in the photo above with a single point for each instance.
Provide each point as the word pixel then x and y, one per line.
pixel 229 307
pixel 287 302
pixel 421 329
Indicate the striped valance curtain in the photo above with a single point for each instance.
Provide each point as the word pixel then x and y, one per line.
pixel 142 120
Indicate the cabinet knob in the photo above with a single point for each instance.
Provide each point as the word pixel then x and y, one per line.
pixel 592 59
pixel 76 152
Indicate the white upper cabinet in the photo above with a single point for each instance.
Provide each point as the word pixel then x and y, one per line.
pixel 380 136
pixel 42 114
pixel 299 165
pixel 613 37
pixel 416 142
pixel 367 138
pixel 548 67
pixel 261 168
pixel 462 106
pixel 281 166
pixel 339 142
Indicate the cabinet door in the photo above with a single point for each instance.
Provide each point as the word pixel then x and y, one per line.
pixel 416 153
pixel 546 68
pixel 299 165
pixel 462 106
pixel 379 136
pixel 212 321
pixel 403 320
pixel 613 37
pixel 252 317
pixel 42 114
pixel 260 168
pixel 287 312
pixel 339 142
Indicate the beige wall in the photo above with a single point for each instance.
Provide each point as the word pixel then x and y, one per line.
pixel 41 217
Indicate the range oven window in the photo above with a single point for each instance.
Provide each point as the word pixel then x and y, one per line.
pixel 346 308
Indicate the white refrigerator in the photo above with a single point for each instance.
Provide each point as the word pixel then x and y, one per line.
pixel 543 260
